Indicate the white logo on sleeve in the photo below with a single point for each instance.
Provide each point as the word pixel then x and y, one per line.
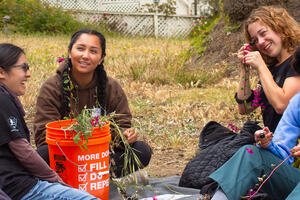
pixel 13 122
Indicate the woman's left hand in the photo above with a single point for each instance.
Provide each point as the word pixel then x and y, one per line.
pixel 263 137
pixel 131 135
pixel 254 59
pixel 296 151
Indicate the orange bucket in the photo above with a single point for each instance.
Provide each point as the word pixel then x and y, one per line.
pixel 85 170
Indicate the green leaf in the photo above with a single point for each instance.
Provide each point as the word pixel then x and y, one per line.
pixel 76 138
pixel 84 145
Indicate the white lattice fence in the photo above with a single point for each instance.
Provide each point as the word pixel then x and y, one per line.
pixel 123 6
pixel 175 26
pixel 120 6
pixel 141 24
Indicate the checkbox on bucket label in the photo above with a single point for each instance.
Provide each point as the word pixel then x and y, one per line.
pixel 83 186
pixel 82 177
pixel 82 168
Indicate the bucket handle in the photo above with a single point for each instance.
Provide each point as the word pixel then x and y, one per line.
pixel 99 174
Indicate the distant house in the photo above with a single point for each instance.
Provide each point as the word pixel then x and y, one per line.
pixel 183 7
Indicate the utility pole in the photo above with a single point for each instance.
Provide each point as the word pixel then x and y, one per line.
pixel 6 19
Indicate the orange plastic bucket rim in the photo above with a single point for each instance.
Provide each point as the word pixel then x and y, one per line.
pixel 55 130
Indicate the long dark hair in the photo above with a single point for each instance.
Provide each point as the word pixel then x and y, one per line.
pixel 9 55
pixel 102 77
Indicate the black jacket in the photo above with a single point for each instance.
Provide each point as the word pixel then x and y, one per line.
pixel 217 145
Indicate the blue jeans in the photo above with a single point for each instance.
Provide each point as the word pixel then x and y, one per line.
pixel 44 190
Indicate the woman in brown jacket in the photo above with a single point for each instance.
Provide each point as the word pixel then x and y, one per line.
pixel 84 73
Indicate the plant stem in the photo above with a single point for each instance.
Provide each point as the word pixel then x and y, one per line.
pixel 269 176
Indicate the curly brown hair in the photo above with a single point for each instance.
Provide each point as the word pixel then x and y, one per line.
pixel 295 62
pixel 280 21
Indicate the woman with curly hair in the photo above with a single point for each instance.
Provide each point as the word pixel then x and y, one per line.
pixel 276 35
pixel 251 164
pixel 81 82
pixel 272 36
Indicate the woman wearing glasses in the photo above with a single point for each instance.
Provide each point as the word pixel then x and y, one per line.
pixel 23 173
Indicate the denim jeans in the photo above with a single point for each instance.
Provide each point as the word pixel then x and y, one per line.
pixel 44 190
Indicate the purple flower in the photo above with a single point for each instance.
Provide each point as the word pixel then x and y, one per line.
pixel 256 101
pixel 233 127
pixel 249 150
pixel 60 59
pixel 256 93
pixel 95 121
pixel 261 104
pixel 248 48
pixel 250 192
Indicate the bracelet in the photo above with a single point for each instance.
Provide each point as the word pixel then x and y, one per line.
pixel 249 99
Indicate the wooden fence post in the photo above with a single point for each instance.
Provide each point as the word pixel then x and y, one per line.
pixel 155 19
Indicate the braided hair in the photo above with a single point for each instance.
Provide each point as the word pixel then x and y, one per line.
pixel 67 86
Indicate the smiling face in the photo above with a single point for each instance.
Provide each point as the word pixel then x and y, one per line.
pixel 16 77
pixel 85 55
pixel 266 40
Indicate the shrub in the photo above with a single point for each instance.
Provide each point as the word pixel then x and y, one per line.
pixel 200 33
pixel 28 16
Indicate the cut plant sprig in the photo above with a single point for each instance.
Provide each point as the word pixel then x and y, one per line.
pixel 246 68
pixel 82 127
pixel 130 157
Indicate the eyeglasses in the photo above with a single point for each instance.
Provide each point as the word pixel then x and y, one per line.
pixel 24 66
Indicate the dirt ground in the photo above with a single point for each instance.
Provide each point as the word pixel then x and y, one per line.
pixel 169 161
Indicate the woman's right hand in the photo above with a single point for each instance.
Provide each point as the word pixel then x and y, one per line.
pixel 131 135
pixel 263 137
pixel 243 51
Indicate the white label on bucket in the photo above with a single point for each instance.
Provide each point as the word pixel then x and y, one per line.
pixel 93 170
pixel 99 175
pixel 82 168
pixel 98 166
pixel 86 157
pixel 82 177
pixel 105 154
pixel 83 186
pixel 99 185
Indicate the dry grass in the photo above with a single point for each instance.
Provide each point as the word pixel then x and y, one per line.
pixel 168 116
